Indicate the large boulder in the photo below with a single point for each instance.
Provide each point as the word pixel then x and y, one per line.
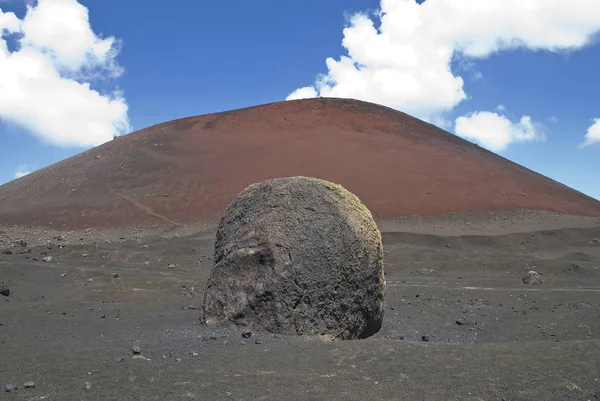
pixel 298 256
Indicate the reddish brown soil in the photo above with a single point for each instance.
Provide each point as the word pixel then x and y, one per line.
pixel 190 169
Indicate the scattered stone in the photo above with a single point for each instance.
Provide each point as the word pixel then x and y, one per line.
pixel 291 264
pixel 171 266
pixel 194 354
pixel 115 275
pixel 20 243
pixel 11 388
pixel 120 359
pixel 7 252
pixel 4 290
pixel 136 350
pixel 88 386
pixel 191 307
pixel 596 241
pixel 178 359
pixel 425 338
pixel 103 316
pixel 461 321
pixel 29 384
pixel 85 255
pixel 59 238
pixel 64 275
pixel 257 342
pixel 47 259
pixel 533 278
pixel 246 334
pixel 425 272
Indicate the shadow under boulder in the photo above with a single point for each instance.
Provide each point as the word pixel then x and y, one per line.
pixel 297 256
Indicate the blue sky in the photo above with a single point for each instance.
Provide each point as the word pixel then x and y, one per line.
pixel 528 91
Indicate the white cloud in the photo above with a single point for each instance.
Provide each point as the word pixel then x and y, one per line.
pixel 303 93
pixel 495 131
pixel 61 29
pixel 593 134
pixel 9 22
pixel 45 84
pixel 402 57
pixel 22 171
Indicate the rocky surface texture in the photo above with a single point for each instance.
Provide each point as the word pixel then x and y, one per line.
pixel 299 256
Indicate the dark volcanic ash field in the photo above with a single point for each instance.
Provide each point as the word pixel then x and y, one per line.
pixel 69 322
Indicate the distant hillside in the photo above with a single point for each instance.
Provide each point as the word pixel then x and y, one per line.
pixel 190 169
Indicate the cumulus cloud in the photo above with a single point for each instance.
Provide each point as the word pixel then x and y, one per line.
pixel 402 56
pixel 593 134
pixel 46 81
pixel 22 171
pixel 303 93
pixel 494 131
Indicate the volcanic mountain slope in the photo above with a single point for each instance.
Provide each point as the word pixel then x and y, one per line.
pixel 188 170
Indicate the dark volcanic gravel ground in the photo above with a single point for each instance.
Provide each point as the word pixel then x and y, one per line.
pixel 69 324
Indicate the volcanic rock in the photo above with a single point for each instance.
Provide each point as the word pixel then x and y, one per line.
pixel 4 290
pixel 10 388
pixel 533 278
pixel 298 256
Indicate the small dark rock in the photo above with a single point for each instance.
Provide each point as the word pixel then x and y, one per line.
pixel 115 275
pixel 425 338
pixel 29 384
pixel 425 272
pixel 10 388
pixel 461 321
pixel 7 252
pixel 246 334
pixel 596 241
pixel 20 243
pixel 136 350
pixel 533 278
pixel 4 290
